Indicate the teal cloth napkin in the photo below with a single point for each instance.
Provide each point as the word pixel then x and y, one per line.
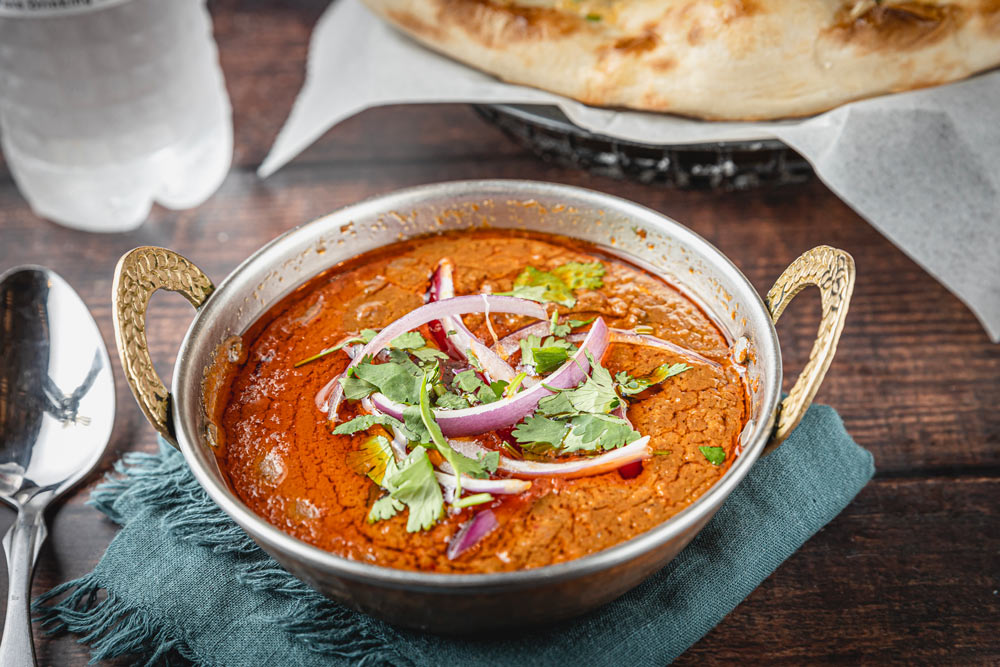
pixel 181 582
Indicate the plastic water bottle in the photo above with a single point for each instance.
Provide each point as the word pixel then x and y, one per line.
pixel 108 105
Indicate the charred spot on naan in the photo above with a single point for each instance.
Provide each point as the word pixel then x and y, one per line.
pixel 899 26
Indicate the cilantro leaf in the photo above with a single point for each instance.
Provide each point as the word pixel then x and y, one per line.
pixel 555 289
pixel 629 385
pixel 598 432
pixel 529 292
pixel 597 393
pixel 576 275
pixel 548 359
pixel 540 429
pixel 392 379
pixel 365 337
pixel 365 422
pixel 384 508
pixel 427 354
pixel 451 401
pixel 556 404
pixel 415 425
pixel 410 340
pixel 356 388
pixel 467 381
pixel 486 394
pixel 415 486
pixel 402 358
pixel 489 461
pixel 475 467
pixel 714 455
pixel 456 460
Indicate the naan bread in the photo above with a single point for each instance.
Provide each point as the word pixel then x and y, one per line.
pixel 714 59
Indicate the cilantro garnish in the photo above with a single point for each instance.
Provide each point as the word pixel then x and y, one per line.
pixel 450 401
pixel 598 432
pixel 365 422
pixel 428 354
pixel 462 464
pixel 410 340
pixel 365 337
pixel 416 487
pixel 555 290
pixel 474 389
pixel 392 379
pixel 467 381
pixel 577 419
pixel 475 499
pixel 356 388
pixel 597 393
pixel 557 286
pixel 580 275
pixel 714 455
pixel 548 359
pixel 539 429
pixel 511 389
pixel 384 508
pixel 629 385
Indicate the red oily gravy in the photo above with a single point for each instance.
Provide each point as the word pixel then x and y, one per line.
pixel 280 457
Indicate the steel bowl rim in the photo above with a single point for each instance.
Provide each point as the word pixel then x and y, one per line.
pixel 704 506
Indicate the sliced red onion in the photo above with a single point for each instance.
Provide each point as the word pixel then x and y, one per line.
pixel 625 337
pixel 598 465
pixel 469 535
pixel 499 486
pixel 509 411
pixel 333 392
pixel 454 337
pixel 511 343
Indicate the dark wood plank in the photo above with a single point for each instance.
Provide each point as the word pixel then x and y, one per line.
pixel 906 575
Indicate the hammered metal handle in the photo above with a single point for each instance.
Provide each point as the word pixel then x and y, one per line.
pixel 139 273
pixel 832 271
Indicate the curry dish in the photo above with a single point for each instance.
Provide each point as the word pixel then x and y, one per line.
pixel 390 413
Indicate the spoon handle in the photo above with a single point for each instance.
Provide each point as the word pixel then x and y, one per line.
pixel 21 543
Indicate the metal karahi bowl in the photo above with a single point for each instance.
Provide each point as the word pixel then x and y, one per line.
pixel 468 603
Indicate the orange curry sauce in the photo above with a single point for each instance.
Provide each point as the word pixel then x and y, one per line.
pixel 281 459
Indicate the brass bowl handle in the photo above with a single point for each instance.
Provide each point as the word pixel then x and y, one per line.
pixel 832 271
pixel 139 273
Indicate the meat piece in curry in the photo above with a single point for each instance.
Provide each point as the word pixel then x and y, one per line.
pixel 652 421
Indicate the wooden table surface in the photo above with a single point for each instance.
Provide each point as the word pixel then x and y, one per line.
pixel 909 572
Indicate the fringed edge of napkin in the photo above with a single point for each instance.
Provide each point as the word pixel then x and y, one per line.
pixel 114 627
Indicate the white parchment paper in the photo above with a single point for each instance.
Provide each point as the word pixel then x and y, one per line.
pixel 923 167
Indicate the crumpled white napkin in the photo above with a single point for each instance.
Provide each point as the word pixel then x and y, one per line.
pixel 921 166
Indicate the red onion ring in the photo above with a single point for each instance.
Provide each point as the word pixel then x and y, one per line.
pixel 471 532
pixel 598 465
pixel 455 344
pixel 509 411
pixel 328 398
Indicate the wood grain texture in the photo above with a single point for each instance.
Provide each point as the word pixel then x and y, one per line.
pixel 908 573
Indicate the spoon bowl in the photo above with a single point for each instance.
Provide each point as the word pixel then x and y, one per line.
pixel 57 410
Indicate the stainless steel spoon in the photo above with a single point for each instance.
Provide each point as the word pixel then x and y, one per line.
pixel 57 408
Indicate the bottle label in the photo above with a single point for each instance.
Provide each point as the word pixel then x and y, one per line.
pixel 41 8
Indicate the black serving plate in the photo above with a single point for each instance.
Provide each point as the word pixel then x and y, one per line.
pixel 724 166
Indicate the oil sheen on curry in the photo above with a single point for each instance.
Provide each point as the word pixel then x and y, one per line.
pixel 479 402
